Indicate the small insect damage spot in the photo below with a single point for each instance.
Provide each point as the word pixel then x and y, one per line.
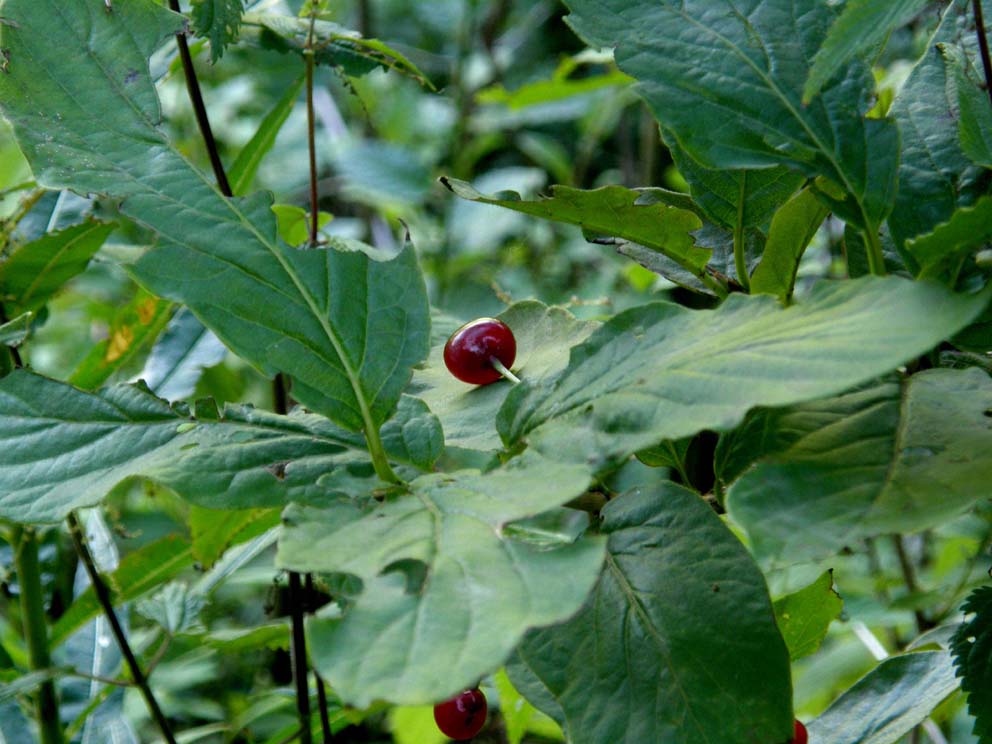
pixel 131 76
pixel 278 469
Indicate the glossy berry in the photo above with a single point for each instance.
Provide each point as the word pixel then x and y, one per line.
pixel 469 352
pixel 800 736
pixel 463 716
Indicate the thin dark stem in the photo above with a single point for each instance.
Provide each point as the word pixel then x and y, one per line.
pixel 196 98
pixel 325 721
pixel 25 544
pixel 365 18
pixel 983 46
pixel 103 597
pixel 298 656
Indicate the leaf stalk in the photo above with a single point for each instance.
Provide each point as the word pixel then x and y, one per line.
pixel 983 46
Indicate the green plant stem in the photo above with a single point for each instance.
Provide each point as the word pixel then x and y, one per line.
pixel 983 46
pixel 740 260
pixel 196 98
pixel 35 625
pixel 298 657
pixel 876 259
pixel 106 602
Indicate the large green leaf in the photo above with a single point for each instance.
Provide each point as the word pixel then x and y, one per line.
pixel 65 449
pixel 935 175
pixel 308 313
pixel 447 591
pixel 893 458
pixel 468 412
pixel 35 271
pixel 863 26
pixel 972 650
pixel 611 210
pixel 650 658
pixel 725 77
pixel 662 371
pixel 888 702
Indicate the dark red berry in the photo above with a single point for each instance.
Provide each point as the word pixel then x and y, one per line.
pixel 469 352
pixel 463 716
pixel 800 736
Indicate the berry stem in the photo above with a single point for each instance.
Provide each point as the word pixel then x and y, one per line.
pixel 501 368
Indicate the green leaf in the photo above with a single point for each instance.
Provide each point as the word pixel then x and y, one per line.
pixel 888 702
pixel 240 640
pixel 219 21
pixel 654 635
pixel 294 222
pixel 447 592
pixel 662 371
pixel 35 271
pixel 179 357
pixel 805 616
pixel 893 458
pixel 468 412
pixel 519 716
pixel 213 531
pixel 133 327
pixel 976 122
pixel 729 197
pixel 560 85
pixel 935 175
pixel 242 173
pixel 174 608
pixel 611 210
pixel 725 77
pixel 65 449
pixel 307 313
pixel 336 46
pixel 863 26
pixel 793 227
pixel 415 725
pixel 939 252
pixel 414 434
pixel 13 332
pixel 138 573
pixel 971 647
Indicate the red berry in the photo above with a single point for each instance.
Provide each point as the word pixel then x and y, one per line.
pixel 463 716
pixel 469 352
pixel 800 736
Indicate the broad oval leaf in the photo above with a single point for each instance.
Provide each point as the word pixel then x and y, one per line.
pixel 649 658
pixel 726 78
pixel 664 372
pixel 888 702
pixel 65 449
pixel 447 592
pixel 884 460
pixel 308 313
